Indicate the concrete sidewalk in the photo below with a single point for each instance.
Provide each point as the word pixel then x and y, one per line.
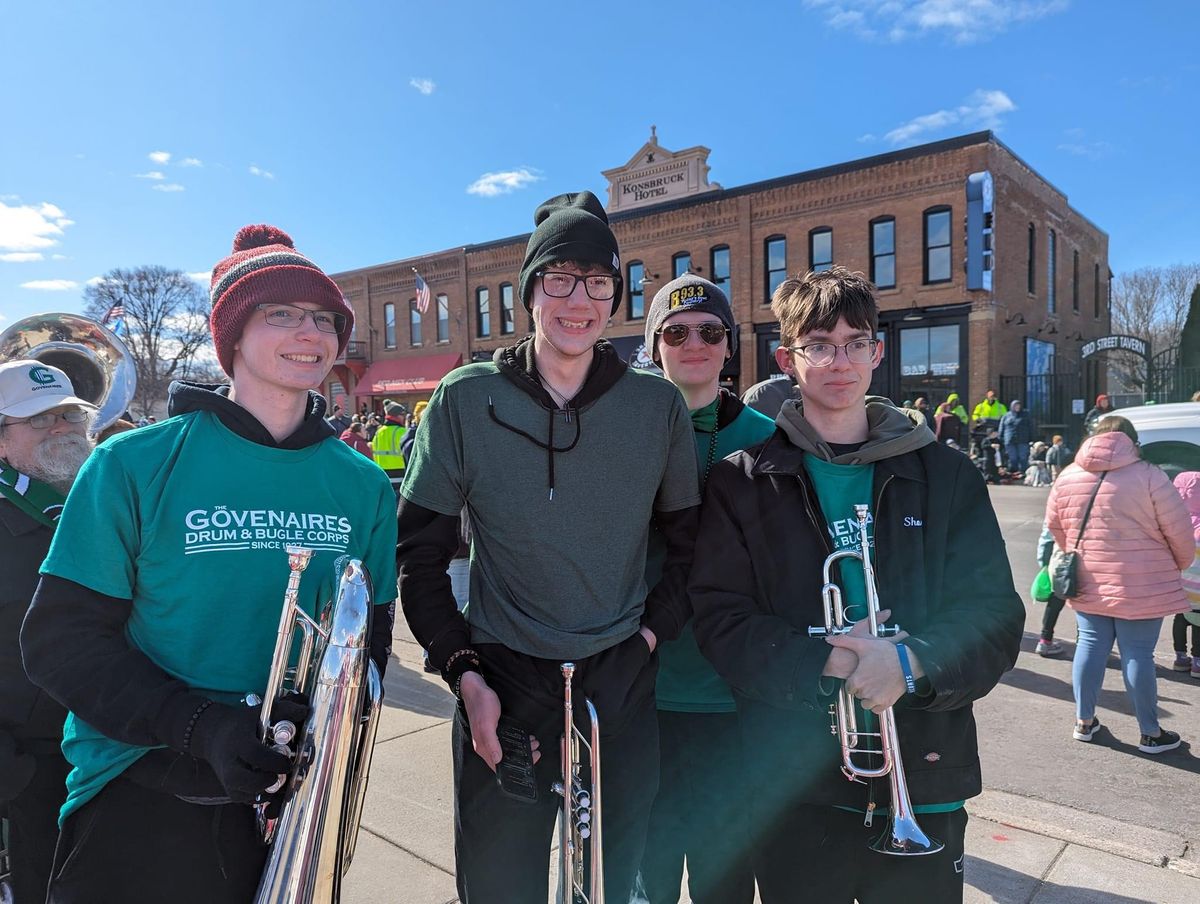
pixel 1020 850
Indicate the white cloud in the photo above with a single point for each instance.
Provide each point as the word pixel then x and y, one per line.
pixel 58 257
pixel 191 161
pixel 865 139
pixel 491 184
pixel 31 227
pixel 94 281
pixel 260 172
pixel 168 186
pixel 22 257
pixel 963 21
pixel 1076 143
pixel 983 109
pixel 160 157
pixel 50 285
pixel 425 85
pixel 204 276
pixel 153 175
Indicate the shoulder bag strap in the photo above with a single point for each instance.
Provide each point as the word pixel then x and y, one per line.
pixel 1087 514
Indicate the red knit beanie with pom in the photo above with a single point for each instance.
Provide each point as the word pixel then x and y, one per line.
pixel 266 268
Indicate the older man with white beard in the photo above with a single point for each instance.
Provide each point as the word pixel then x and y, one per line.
pixel 43 444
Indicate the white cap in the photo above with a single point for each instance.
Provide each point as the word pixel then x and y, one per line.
pixel 29 387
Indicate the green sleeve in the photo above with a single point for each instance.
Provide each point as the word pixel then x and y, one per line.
pixel 433 478
pixel 97 541
pixel 680 487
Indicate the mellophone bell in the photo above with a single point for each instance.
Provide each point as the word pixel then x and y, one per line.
pixel 901 836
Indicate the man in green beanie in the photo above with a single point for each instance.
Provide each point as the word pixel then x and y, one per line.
pixel 564 458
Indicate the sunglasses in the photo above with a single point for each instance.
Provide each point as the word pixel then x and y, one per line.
pixel 675 334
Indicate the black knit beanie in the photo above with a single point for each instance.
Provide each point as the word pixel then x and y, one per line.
pixel 570 227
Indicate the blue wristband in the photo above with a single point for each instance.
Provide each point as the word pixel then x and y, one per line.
pixel 910 683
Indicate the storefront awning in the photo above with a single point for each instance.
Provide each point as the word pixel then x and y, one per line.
pixel 406 374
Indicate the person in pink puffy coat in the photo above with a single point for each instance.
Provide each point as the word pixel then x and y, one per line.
pixel 1136 541
pixel 1188 485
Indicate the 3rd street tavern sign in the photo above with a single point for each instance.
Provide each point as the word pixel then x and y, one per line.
pixel 1118 342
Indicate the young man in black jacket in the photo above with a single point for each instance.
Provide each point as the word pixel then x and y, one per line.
pixel 159 602
pixel 563 457
pixel 772 514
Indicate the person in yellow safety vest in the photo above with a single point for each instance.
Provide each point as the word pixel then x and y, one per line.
pixel 388 439
pixel 991 408
pixel 956 407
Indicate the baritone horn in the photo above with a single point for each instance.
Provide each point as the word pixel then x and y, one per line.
pixel 902 836
pixel 580 851
pixel 312 842
pixel 98 364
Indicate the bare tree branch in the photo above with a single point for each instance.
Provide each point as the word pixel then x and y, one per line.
pixel 167 318
pixel 1151 303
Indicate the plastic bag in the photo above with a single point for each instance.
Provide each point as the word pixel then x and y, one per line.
pixel 1041 591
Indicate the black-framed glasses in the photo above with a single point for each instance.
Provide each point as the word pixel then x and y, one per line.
pixel 675 334
pixel 48 419
pixel 290 316
pixel 822 354
pixel 557 284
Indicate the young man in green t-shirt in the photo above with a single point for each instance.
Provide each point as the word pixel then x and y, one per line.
pixel 563 457
pixel 160 599
pixel 700 813
pixel 771 516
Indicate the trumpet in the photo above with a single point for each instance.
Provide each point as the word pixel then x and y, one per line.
pixel 581 858
pixel 902 836
pixel 313 840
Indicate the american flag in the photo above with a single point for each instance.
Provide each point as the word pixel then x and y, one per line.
pixel 422 293
pixel 115 319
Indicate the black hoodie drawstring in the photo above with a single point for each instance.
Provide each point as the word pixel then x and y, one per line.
pixel 549 447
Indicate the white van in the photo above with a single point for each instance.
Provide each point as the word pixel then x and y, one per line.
pixel 1169 434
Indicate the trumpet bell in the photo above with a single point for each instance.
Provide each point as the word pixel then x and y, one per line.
pixel 903 837
pixel 97 362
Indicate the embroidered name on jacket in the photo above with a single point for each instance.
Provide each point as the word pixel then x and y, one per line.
pixel 910 521
pixel 223 529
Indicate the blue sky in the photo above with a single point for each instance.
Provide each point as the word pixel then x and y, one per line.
pixel 360 130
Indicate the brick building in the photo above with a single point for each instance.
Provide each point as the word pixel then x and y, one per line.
pixel 983 270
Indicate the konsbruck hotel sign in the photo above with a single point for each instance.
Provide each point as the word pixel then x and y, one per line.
pixel 655 174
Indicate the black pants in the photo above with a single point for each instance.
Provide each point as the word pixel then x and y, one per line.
pixel 700 813
pixel 33 827
pixel 138 846
pixel 820 853
pixel 1179 629
pixel 1054 607
pixel 501 845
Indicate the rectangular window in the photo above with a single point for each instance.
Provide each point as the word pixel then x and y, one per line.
pixel 883 253
pixel 507 324
pixel 1031 261
pixel 681 263
pixel 937 245
pixel 389 325
pixel 720 270
pixel 483 313
pixel 637 298
pixel 820 250
pixel 1051 271
pixel 443 322
pixel 1075 283
pixel 930 360
pixel 1096 291
pixel 776 264
pixel 414 323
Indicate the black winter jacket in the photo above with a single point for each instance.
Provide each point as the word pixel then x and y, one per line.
pixel 942 570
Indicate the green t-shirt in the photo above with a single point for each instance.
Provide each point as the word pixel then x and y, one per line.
pixel 687 682
pixel 560 577
pixel 189 521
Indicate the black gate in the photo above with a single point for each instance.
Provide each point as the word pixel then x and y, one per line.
pixel 1167 380
pixel 1048 399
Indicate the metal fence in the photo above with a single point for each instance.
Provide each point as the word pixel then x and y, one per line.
pixel 1048 398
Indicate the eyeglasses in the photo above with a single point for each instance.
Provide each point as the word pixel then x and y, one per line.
pixel 822 354
pixel 50 418
pixel 675 334
pixel 599 286
pixel 289 316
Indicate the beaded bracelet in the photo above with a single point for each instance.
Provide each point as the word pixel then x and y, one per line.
pixel 465 651
pixel 191 726
pixel 909 683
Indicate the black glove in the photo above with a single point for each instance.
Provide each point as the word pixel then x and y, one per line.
pixel 227 738
pixel 16 767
